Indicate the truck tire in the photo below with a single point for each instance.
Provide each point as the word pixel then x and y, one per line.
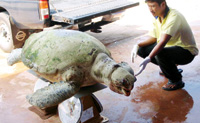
pixel 6 41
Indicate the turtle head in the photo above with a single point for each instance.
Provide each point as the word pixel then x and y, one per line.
pixel 122 80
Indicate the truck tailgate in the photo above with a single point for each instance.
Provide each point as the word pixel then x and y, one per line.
pixel 75 11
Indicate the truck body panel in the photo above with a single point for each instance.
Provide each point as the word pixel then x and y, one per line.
pixel 25 13
pixel 21 18
pixel 73 12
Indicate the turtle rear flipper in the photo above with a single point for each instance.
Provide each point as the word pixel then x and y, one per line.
pixel 14 56
pixel 53 94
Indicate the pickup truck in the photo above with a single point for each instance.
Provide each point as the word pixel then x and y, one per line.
pixel 20 18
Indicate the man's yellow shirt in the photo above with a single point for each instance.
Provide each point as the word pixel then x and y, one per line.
pixel 175 25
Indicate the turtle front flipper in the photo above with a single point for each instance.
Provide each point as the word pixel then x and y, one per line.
pixel 53 94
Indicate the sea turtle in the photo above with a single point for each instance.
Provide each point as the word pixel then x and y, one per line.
pixel 70 59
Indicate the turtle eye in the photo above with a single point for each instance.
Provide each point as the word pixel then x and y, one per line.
pixel 116 66
pixel 125 83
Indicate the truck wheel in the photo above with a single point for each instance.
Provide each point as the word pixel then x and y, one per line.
pixel 6 41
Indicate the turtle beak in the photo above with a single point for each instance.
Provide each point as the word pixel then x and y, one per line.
pixel 120 90
pixel 126 92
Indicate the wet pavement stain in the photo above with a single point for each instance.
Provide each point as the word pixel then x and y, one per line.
pixel 162 106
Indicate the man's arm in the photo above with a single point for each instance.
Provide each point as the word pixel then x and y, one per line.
pixel 147 42
pixel 163 41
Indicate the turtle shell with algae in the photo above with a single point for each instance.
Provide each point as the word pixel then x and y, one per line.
pixel 52 51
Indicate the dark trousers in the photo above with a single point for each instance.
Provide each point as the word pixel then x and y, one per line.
pixel 168 59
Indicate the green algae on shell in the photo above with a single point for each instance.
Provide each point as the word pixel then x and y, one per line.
pixel 51 51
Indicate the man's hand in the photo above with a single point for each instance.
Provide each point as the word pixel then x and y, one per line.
pixel 134 52
pixel 143 65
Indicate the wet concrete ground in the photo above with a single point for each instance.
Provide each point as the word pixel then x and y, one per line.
pixel 147 103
